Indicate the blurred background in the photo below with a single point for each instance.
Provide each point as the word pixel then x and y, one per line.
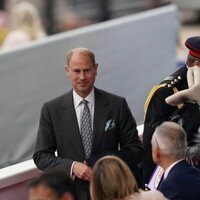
pixel 63 15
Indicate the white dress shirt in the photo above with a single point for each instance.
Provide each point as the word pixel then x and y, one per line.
pixel 78 106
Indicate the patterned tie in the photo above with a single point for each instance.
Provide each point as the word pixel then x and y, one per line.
pixel 86 129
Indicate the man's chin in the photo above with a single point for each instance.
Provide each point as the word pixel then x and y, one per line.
pixel 83 91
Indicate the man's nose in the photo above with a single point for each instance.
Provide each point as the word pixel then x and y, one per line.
pixel 82 75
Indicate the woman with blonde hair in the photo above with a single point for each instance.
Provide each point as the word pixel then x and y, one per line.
pixel 27 25
pixel 113 180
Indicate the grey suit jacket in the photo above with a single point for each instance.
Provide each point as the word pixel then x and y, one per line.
pixel 58 130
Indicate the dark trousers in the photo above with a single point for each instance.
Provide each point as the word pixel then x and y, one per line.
pixel 82 189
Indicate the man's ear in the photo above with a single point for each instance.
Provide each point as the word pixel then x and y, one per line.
pixel 66 68
pixel 96 67
pixel 197 63
pixel 157 152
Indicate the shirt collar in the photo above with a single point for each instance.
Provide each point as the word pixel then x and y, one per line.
pixel 170 167
pixel 78 99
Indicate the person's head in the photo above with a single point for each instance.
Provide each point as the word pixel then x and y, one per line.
pixel 52 185
pixel 26 17
pixel 192 94
pixel 112 179
pixel 193 44
pixel 168 143
pixel 81 69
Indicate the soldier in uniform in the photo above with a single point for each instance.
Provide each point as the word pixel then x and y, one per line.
pixel 157 110
pixel 188 116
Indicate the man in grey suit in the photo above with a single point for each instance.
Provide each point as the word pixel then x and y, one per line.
pixel 85 124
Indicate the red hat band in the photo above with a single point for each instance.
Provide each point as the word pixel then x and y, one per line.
pixel 194 53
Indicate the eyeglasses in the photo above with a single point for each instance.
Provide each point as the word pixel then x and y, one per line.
pixel 156 141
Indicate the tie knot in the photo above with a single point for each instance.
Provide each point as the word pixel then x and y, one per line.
pixel 84 102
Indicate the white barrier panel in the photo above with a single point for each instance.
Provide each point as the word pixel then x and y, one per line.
pixel 133 53
pixel 17 173
pixel 14 180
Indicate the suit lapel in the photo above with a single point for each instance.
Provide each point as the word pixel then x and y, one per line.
pixel 72 128
pixel 101 110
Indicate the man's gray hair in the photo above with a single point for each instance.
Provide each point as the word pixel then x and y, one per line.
pixel 171 140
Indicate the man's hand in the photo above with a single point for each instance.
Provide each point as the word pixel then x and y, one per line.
pixel 193 76
pixel 82 171
pixel 191 94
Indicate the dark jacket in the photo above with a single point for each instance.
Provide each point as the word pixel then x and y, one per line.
pixel 182 182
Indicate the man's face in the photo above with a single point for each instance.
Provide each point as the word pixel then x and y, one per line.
pixel 81 72
pixel 41 192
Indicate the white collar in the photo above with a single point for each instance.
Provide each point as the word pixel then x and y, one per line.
pixel 170 167
pixel 78 99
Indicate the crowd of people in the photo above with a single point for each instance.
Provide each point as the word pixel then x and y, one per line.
pixel 23 21
pixel 97 143
pixel 27 26
pixel 99 154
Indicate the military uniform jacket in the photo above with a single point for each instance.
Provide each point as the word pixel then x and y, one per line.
pixel 157 111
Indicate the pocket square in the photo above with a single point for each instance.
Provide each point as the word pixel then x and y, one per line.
pixel 110 124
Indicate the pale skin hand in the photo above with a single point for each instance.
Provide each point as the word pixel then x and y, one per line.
pixel 193 76
pixel 193 93
pixel 82 171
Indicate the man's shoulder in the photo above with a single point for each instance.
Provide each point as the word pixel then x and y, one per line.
pixel 59 99
pixel 157 95
pixel 177 79
pixel 164 91
pixel 183 170
pixel 171 84
pixel 180 178
pixel 108 94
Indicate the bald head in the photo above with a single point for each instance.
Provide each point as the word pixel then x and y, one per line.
pixel 83 51
pixel 170 138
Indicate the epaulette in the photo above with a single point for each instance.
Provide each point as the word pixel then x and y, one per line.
pixel 174 81
pixel 151 94
pixel 169 82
